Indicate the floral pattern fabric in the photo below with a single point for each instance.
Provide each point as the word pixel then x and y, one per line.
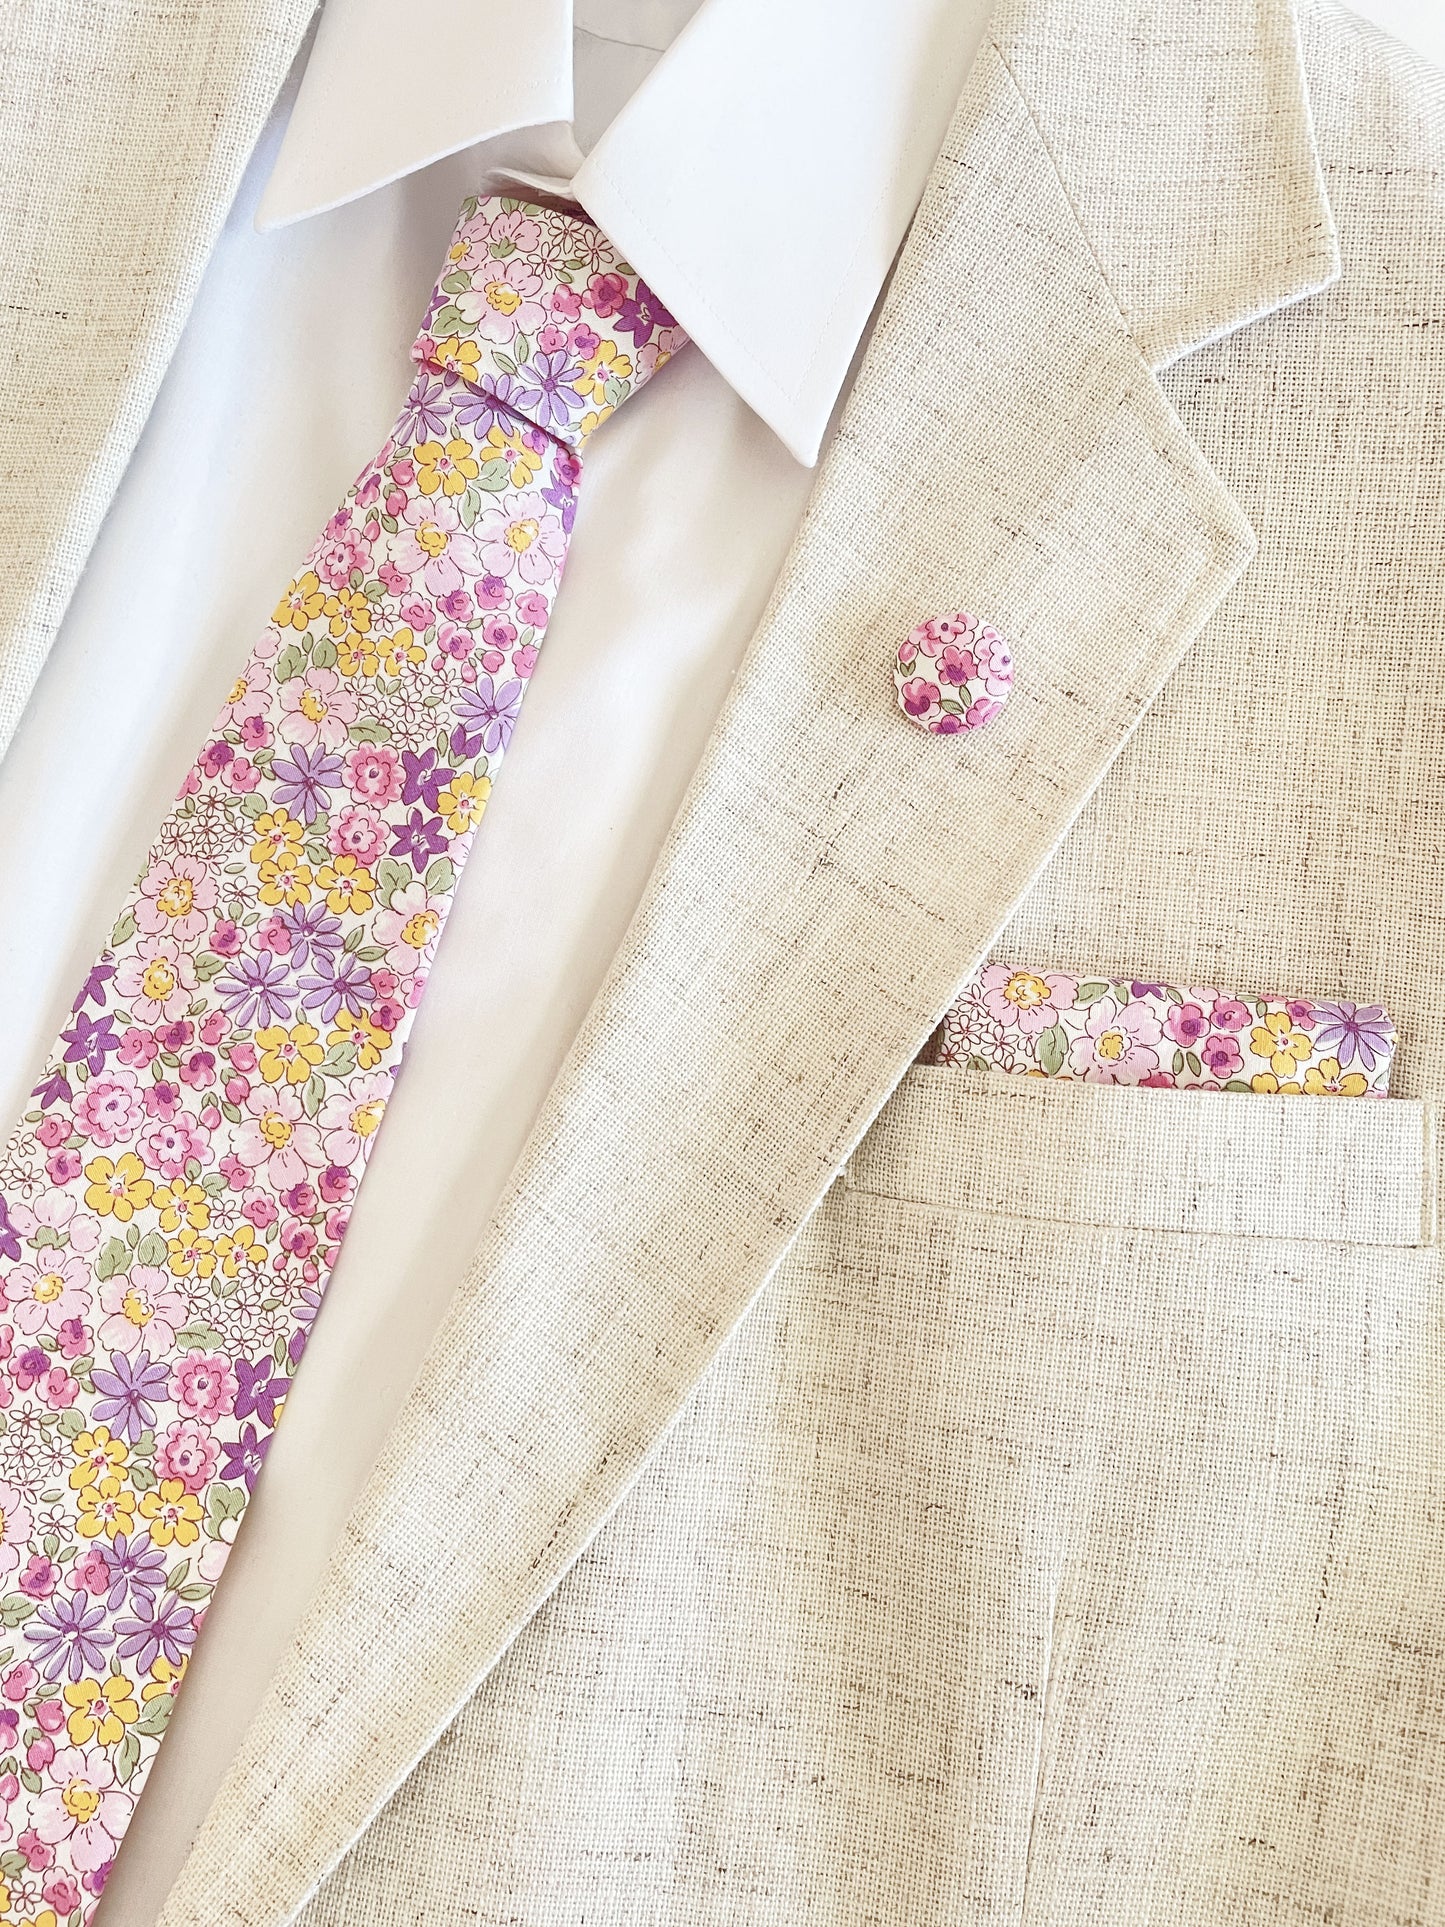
pixel 1100 1030
pixel 173 1204
pixel 952 673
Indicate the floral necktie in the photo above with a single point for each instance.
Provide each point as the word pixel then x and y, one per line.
pixel 172 1207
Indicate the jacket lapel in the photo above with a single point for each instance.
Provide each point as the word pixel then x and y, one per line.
pixel 832 877
pixel 121 149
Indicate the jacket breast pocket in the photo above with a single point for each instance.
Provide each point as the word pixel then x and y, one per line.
pixel 1177 1360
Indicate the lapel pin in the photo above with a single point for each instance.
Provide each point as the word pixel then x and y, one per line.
pixel 953 673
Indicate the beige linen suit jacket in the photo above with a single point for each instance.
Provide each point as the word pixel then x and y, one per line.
pixel 1025 1504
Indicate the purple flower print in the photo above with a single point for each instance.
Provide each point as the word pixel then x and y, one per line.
pixel 312 930
pixel 258 1391
pixel 418 840
pixel 70 1634
pixel 494 403
pixel 162 1628
pixel 54 1089
pixel 133 1566
pixel 245 1456
pixel 90 1040
pixel 487 715
pixel 256 990
pixel 305 780
pixel 129 1392
pixel 93 990
pixel 426 415
pixel 9 1237
pixel 1352 1032
pixel 548 393
pixel 641 314
pixel 423 777
pixel 339 983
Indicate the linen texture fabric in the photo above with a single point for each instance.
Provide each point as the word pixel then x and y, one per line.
pixel 125 133
pixel 1056 1540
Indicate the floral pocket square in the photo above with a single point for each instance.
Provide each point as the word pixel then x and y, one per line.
pixel 1104 1030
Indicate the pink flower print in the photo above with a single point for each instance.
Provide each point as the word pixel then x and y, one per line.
pixel 1026 1000
pixel 605 294
pixel 316 708
pixel 138 1047
pixel 171 1146
pixel 1220 1056
pixel 409 928
pixel 176 895
pixel 502 301
pixel 81 1807
pixel 995 662
pixel 512 232
pixel 1186 1024
pixel 56 1211
pixel 204 1386
pixel 919 696
pixel 360 833
pixel 187 1452
pixel 248 697
pixel 955 665
pixel 339 555
pixel 157 979
pixel 522 532
pixel 276 1139
pixel 15 1526
pixel 1301 1012
pixel 143 1309
pixel 374 773
pixel 433 546
pixel 58 1389
pixel 1229 1014
pixel 110 1107
pixel 525 660
pixel 44 1295
pixel 352 1117
pixel 1118 1043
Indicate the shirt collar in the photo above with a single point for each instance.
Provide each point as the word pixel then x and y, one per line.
pixel 734 179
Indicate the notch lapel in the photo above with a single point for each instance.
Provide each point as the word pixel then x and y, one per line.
pixel 832 878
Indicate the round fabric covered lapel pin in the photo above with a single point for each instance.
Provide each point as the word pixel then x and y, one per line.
pixel 953 672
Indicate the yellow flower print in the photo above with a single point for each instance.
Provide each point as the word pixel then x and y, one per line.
pixel 284 880
pixel 105 1507
pixel 463 800
pixel 165 1679
pixel 277 836
pixel 359 655
pixel 100 1713
pixel 291 1054
pixel 350 614
pixel 522 462
pixel 181 1199
pixel 118 1187
pixel 448 469
pixel 608 362
pixel 1025 991
pixel 301 604
pixel 1326 1079
pixel 97 1456
pixel 370 1040
pixel 349 885
pixel 191 1251
pixel 1279 1041
pixel 239 1248
pixel 399 651
pixel 172 1513
pixel 1269 1085
pixel 463 358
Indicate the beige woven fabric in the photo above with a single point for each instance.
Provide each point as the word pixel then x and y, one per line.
pixel 833 876
pixel 1058 1542
pixel 1006 1569
pixel 124 128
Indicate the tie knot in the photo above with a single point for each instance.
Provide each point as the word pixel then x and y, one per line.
pixel 538 312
